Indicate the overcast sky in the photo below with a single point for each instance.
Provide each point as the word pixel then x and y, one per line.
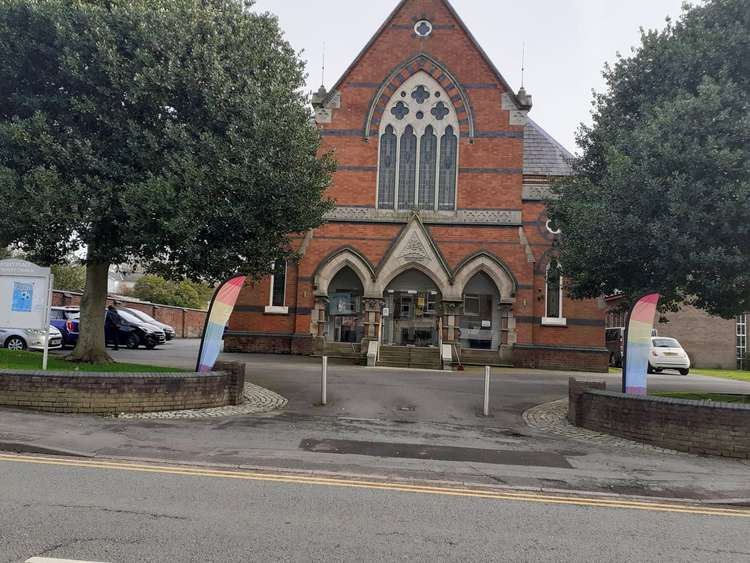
pixel 567 43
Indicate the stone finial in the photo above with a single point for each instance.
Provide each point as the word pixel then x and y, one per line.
pixel 524 99
pixel 319 96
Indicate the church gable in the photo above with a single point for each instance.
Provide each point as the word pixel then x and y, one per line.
pixel 418 35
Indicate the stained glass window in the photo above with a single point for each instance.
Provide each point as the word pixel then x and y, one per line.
pixel 448 149
pixel 554 292
pixel 387 176
pixel 427 162
pixel 407 168
pixel 418 147
pixel 278 285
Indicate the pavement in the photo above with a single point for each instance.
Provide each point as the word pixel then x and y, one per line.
pixel 411 425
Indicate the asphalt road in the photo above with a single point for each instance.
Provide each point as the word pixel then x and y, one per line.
pixel 115 515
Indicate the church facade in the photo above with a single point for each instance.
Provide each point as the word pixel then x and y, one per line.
pixel 439 239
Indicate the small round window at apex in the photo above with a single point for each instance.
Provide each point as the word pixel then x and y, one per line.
pixel 423 28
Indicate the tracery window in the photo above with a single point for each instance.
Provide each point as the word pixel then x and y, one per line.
pixel 418 148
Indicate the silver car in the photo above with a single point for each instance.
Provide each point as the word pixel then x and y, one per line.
pixel 29 338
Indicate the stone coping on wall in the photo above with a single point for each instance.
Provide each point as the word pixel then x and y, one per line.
pixel 672 400
pixel 163 375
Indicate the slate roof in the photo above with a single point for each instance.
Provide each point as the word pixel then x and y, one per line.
pixel 542 155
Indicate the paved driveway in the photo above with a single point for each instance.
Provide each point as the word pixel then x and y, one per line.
pixel 412 395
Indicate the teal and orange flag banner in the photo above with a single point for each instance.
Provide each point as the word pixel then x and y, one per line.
pixel 219 312
pixel 638 344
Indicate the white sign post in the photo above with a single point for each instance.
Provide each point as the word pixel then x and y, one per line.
pixel 26 298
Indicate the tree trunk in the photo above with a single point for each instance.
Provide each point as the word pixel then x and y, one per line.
pixel 91 347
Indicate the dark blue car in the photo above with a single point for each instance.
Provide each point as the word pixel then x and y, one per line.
pixel 65 319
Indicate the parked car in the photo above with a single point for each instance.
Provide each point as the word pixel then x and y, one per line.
pixel 133 332
pixel 29 338
pixel 169 332
pixel 614 340
pixel 65 319
pixel 667 353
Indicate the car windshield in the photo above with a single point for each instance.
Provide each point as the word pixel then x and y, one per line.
pixel 127 316
pixel 141 315
pixel 665 343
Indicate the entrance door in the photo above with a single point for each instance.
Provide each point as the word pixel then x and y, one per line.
pixel 414 318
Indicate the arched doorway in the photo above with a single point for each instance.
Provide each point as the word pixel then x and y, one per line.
pixel 345 315
pixel 484 323
pixel 412 311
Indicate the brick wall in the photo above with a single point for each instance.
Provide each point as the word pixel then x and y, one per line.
pixel 569 358
pixel 698 427
pixel 114 393
pixel 187 323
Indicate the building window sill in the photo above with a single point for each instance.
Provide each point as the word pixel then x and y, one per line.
pixel 275 310
pixel 554 321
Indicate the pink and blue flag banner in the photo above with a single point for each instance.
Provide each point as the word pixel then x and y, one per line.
pixel 219 312
pixel 638 344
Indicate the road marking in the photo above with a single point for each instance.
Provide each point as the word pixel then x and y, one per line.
pixel 50 560
pixel 385 486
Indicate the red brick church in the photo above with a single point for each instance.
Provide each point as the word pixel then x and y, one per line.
pixel 438 249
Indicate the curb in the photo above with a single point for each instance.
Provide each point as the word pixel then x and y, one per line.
pixel 32 448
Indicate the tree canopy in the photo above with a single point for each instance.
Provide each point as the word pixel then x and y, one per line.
pixel 183 293
pixel 69 277
pixel 660 199
pixel 169 133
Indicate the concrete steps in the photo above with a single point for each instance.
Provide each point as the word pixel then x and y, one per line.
pixel 410 357
pixel 344 351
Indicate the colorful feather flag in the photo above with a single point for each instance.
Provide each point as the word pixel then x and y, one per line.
pixel 219 312
pixel 638 344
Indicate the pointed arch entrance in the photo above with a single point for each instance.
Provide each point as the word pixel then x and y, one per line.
pixel 411 312
pixel 345 314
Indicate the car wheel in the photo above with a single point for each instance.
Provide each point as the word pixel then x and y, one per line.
pixel 658 370
pixel 150 343
pixel 15 343
pixel 612 359
pixel 133 341
pixel 684 371
pixel 650 368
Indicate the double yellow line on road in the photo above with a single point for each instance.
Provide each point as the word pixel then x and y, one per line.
pixel 602 502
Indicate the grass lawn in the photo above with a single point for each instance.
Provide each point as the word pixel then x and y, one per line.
pixel 723 373
pixel 33 360
pixel 717 397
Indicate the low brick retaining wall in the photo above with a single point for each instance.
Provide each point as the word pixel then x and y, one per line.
pixel 115 393
pixel 567 358
pixel 699 427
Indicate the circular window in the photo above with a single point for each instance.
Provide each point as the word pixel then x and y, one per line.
pixel 423 28
pixel 552 227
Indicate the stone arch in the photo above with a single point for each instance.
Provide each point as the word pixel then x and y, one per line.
pixel 439 278
pixel 338 260
pixel 496 269
pixel 420 63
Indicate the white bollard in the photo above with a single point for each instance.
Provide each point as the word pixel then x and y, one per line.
pixel 323 382
pixel 487 371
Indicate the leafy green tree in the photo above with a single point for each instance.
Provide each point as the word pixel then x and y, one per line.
pixel 4 253
pixel 69 277
pixel 169 133
pixel 185 293
pixel 661 196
